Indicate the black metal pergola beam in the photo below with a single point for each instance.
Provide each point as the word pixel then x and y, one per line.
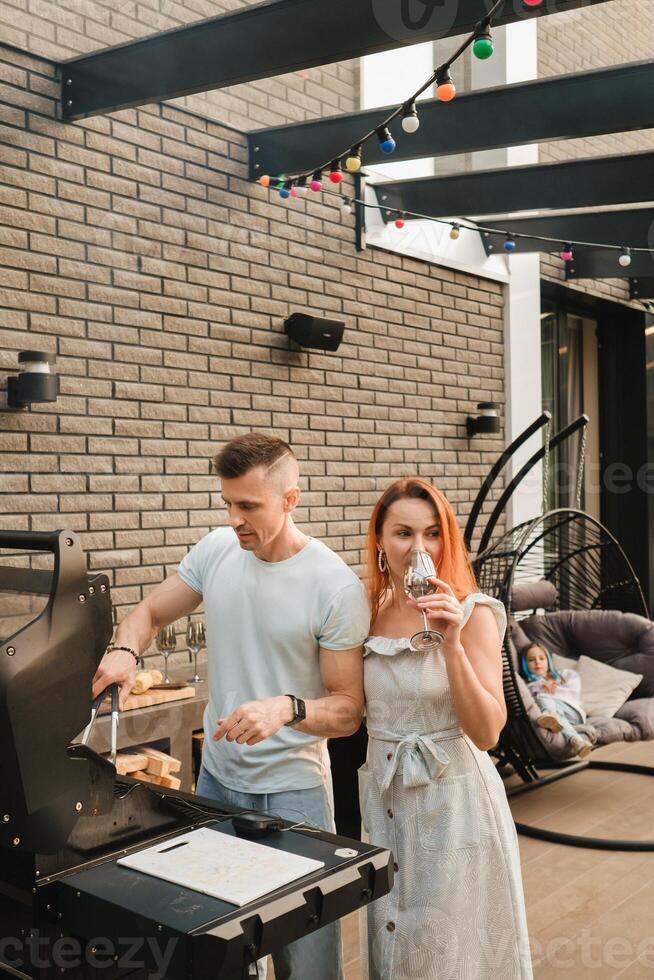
pixel 596 182
pixel 264 40
pixel 642 288
pixel 633 226
pixel 603 264
pixel 590 103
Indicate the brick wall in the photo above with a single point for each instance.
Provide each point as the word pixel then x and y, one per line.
pixel 607 34
pixel 60 31
pixel 130 246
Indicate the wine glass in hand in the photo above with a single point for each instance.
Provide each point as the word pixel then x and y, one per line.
pixel 417 571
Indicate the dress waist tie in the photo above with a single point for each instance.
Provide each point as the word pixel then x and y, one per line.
pixel 422 758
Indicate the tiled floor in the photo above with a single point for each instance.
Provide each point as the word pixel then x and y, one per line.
pixel 590 912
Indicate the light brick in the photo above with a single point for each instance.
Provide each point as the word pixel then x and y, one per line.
pixel 163 285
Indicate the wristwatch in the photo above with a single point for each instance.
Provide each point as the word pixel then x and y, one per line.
pixel 299 710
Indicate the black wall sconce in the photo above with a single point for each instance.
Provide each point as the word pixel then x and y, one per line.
pixel 487 421
pixel 36 381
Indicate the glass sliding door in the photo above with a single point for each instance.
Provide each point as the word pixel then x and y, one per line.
pixel 562 370
pixel 648 481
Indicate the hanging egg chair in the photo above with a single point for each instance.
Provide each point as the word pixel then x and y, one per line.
pixel 563 559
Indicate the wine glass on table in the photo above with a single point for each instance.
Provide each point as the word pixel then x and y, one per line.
pixel 166 643
pixel 417 572
pixel 195 640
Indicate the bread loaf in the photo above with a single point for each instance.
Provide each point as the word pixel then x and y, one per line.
pixel 145 679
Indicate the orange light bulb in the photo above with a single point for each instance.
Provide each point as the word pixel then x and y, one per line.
pixel 446 92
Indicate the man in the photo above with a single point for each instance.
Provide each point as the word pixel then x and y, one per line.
pixel 286 620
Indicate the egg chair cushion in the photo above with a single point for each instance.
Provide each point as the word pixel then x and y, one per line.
pixel 622 640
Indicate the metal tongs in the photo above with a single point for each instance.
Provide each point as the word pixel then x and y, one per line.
pixel 101 771
pixel 115 719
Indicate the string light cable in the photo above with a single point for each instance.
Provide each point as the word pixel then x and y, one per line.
pixel 512 238
pixel 457 226
pixel 482 47
pixel 482 44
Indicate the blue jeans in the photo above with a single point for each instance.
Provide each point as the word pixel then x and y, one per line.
pixel 567 715
pixel 318 955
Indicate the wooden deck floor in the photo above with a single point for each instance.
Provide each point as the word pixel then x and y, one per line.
pixel 590 912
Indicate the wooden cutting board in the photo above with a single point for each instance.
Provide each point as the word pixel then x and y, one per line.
pixel 151 698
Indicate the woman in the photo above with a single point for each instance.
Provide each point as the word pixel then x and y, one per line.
pixel 429 790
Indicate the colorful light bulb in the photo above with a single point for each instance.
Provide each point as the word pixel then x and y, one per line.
pixel 509 244
pixel 410 120
pixel 533 3
pixel 336 172
pixel 386 141
pixel 482 46
pixel 455 231
pixel 316 181
pixel 346 206
pixel 399 221
pixel 445 89
pixel 285 191
pixel 566 253
pixel 301 186
pixel 293 191
pixel 264 180
pixel 353 160
pixel 625 258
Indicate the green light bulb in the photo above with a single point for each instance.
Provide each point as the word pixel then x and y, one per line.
pixel 483 48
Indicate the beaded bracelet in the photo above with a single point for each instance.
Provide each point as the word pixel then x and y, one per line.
pixel 112 647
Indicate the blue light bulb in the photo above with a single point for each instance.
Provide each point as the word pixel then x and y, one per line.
pixel 386 142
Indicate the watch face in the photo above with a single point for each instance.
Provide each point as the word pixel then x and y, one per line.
pixel 299 710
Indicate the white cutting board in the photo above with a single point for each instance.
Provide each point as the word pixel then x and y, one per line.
pixel 229 868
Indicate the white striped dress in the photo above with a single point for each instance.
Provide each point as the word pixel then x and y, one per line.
pixel 456 910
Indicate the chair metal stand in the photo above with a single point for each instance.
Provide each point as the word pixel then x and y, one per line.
pixel 577 840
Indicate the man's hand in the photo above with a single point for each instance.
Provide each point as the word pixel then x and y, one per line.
pixel 116 667
pixel 168 601
pixel 255 721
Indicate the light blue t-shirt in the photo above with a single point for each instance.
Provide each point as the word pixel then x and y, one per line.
pixel 265 624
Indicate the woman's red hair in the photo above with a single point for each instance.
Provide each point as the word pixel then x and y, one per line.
pixel 454 565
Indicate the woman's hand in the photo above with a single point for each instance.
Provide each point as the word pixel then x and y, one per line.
pixel 444 613
pixel 550 686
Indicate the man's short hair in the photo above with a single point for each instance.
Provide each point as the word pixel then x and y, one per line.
pixel 243 453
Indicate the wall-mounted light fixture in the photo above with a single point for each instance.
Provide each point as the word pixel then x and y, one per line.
pixel 36 381
pixel 487 421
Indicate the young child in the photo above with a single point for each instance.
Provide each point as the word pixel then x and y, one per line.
pixel 558 696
